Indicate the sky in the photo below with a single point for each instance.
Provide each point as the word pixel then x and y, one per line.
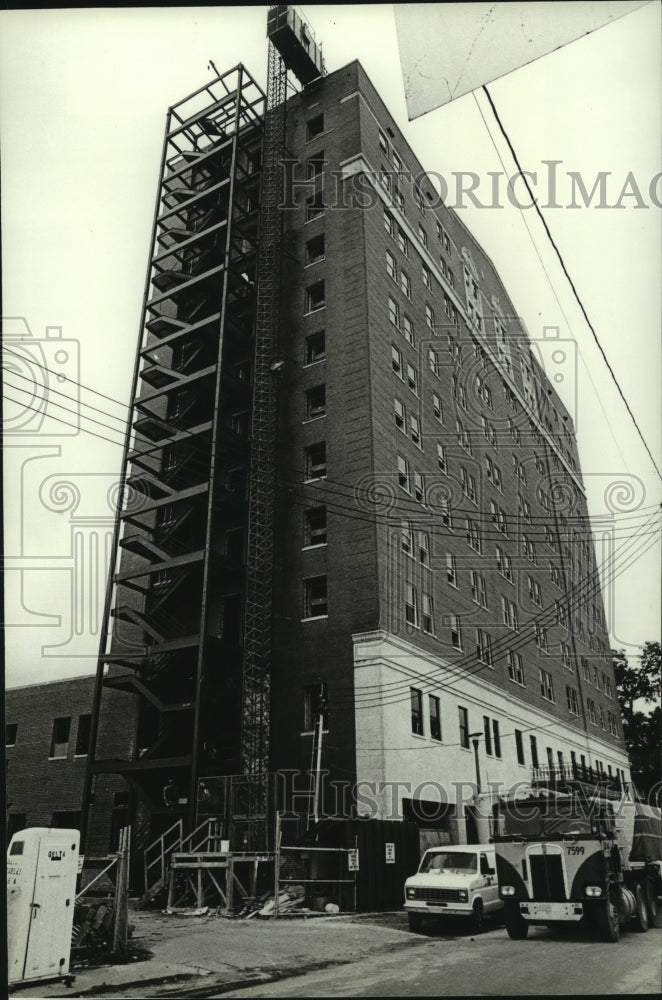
pixel 83 100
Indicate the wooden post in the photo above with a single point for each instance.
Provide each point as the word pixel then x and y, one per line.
pixel 230 884
pixel 120 922
pixel 277 864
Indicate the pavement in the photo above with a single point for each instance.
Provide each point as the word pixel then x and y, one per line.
pixel 181 955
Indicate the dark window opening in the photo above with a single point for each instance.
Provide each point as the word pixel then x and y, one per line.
pixel 83 735
pixel 60 738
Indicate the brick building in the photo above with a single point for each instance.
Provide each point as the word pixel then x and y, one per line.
pixel 434 579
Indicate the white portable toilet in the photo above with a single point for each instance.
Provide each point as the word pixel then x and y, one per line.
pixel 42 865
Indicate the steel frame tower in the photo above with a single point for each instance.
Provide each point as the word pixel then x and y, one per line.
pixel 177 582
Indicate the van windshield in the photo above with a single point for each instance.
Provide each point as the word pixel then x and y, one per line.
pixel 455 862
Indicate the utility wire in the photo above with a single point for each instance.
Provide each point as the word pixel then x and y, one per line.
pixel 565 271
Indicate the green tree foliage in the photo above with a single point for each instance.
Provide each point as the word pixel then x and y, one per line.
pixel 642 730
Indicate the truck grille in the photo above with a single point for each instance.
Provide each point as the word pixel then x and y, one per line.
pixel 547 878
pixel 438 895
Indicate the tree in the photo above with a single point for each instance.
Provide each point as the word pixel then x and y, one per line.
pixel 641 730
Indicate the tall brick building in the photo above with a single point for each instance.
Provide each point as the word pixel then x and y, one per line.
pixel 434 578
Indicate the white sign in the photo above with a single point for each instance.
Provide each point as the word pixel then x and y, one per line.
pixel 390 854
pixel 81 862
pixel 353 860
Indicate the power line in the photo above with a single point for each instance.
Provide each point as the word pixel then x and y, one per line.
pixel 534 201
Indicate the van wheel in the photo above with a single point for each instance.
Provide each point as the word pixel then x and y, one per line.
pixel 415 922
pixel 477 918
pixel 651 905
pixel 641 912
pixel 516 925
pixel 605 919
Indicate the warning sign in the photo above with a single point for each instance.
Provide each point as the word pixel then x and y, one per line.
pixel 390 854
pixel 353 860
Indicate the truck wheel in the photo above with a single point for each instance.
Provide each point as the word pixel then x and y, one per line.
pixel 641 911
pixel 651 905
pixel 606 921
pixel 415 922
pixel 516 925
pixel 477 918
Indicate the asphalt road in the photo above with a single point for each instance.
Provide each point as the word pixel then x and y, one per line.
pixel 490 965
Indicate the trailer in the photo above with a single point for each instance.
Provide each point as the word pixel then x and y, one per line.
pixel 570 853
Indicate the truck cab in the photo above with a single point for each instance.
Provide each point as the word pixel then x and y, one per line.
pixel 454 881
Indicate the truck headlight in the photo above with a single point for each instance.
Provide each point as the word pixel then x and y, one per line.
pixel 507 890
pixel 411 894
pixel 593 890
pixel 462 895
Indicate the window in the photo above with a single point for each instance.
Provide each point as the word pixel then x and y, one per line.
pixel 408 330
pixel 590 708
pixel 11 732
pixel 519 746
pixel 414 429
pixel 315 347
pixel 468 483
pixel 456 631
pixel 394 312
pixel 60 738
pixel 427 616
pixel 550 758
pixel 441 456
pixel 389 223
pixel 396 361
pixel 451 569
pixel 478 589
pixel 515 668
pixel 497 738
pixel 463 438
pixel 546 684
pixel 435 717
pixel 403 473
pixel 416 701
pixel 407 538
pixel 602 717
pixel 571 700
pixel 427 276
pixel 422 235
pixel 514 431
pixel 239 424
pixel 403 242
pixel 314 127
pixel 509 614
pixel 529 548
pixel 383 143
pixel 314 207
pixel 499 518
pixel 411 605
pixel 412 378
pixel 315 597
pixel 463 719
pixel 391 268
pixel 424 548
pixel 315 703
pixel 565 655
pixel 316 402
pixel 315 297
pixel 315 456
pixel 315 249
pixel 586 670
pixel 314 524
pixel 405 284
pixel 533 744
pixel 429 317
pixel 493 473
pixel 83 735
pixel 419 492
pixel 399 414
pixel 400 201
pixel 397 162
pixel 559 757
pixel 540 632
pixel 504 563
pixel 488 736
pixel 473 535
pixel 484 647
pixel 433 361
pixel 437 410
pixel 535 592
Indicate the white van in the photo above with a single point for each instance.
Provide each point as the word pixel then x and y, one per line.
pixel 454 881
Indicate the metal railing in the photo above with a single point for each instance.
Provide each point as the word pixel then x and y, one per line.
pixel 157 856
pixel 560 773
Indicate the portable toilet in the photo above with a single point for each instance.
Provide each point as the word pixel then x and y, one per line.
pixel 42 866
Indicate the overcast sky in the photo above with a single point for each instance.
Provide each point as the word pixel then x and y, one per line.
pixel 83 98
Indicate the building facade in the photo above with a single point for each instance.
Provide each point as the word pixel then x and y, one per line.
pixel 436 611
